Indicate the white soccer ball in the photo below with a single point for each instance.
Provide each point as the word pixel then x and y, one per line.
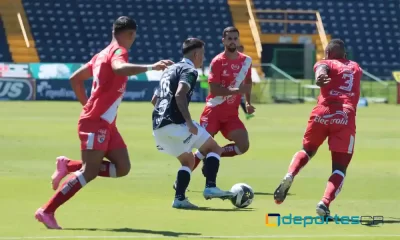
pixel 244 195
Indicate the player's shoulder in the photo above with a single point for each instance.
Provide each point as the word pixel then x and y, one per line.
pixel 218 58
pixel 115 48
pixel 244 56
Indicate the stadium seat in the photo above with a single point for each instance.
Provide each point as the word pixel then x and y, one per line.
pixel 5 55
pixel 73 31
pixel 370 28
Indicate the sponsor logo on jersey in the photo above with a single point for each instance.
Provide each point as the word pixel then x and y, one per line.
pixel 338 118
pixel 235 67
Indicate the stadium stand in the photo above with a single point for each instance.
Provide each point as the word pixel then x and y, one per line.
pixel 370 28
pixel 5 55
pixel 72 31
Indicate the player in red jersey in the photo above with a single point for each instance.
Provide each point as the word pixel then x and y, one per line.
pixel 332 118
pixel 229 79
pixel 97 128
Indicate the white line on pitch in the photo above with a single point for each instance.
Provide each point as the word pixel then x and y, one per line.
pixel 203 237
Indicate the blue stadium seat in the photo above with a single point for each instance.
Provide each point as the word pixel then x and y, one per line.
pixel 5 55
pixel 74 30
pixel 371 29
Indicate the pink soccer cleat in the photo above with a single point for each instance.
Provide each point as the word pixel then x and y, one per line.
pixel 47 219
pixel 60 172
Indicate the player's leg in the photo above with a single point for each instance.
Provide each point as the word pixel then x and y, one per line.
pixel 206 144
pixel 341 144
pixel 182 181
pixel 92 160
pixel 234 130
pixel 117 166
pixel 172 140
pixel 314 136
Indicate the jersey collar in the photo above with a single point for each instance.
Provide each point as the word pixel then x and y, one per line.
pixel 188 61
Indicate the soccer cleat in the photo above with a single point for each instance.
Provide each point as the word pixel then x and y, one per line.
pixel 184 204
pixel 283 188
pixel 47 219
pixel 322 210
pixel 60 172
pixel 214 192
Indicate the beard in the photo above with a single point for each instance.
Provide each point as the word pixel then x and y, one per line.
pixel 231 48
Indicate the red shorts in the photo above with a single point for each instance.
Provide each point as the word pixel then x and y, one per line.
pixel 335 122
pixel 213 120
pixel 99 135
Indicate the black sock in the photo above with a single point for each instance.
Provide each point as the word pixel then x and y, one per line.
pixel 182 182
pixel 243 105
pixel 211 169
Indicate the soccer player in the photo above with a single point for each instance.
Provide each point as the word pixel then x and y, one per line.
pixel 176 133
pixel 229 79
pixel 240 48
pixel 332 118
pixel 97 128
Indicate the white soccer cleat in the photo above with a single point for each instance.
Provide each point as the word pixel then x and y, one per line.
pixel 184 204
pixel 214 192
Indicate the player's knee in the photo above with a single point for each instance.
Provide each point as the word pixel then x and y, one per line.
pixel 243 147
pixel 89 173
pixel 124 169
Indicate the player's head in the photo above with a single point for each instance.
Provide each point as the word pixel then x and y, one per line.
pixel 335 49
pixel 124 29
pixel 240 48
pixel 230 38
pixel 193 49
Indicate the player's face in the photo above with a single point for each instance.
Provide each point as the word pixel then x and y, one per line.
pixel 131 36
pixel 199 57
pixel 231 41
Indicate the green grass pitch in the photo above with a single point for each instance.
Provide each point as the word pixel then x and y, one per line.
pixel 139 205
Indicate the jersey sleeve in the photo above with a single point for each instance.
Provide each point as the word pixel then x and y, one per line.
pixel 248 75
pixel 119 54
pixel 188 76
pixel 322 63
pixel 215 71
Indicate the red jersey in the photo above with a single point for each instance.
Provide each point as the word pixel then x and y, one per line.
pixel 344 86
pixel 230 73
pixel 108 88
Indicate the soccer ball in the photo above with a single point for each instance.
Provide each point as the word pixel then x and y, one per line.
pixel 244 195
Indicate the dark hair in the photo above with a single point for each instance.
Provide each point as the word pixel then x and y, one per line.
pixel 229 30
pixel 336 48
pixel 124 23
pixel 191 44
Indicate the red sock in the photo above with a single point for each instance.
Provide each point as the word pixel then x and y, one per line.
pixel 196 162
pixel 74 165
pixel 71 186
pixel 107 168
pixel 299 160
pixel 333 187
pixel 230 150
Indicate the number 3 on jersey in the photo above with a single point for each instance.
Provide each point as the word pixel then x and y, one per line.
pixel 164 85
pixel 349 81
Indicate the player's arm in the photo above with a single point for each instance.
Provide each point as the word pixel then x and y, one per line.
pixel 249 82
pixel 214 80
pixel 123 68
pixel 321 75
pixel 155 97
pixel 181 99
pixel 77 82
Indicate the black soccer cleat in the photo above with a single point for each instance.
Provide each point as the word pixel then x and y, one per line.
pixel 322 210
pixel 283 188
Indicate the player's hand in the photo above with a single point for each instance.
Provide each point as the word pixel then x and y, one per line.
pixel 250 108
pixel 244 88
pixel 322 80
pixel 161 65
pixel 192 128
